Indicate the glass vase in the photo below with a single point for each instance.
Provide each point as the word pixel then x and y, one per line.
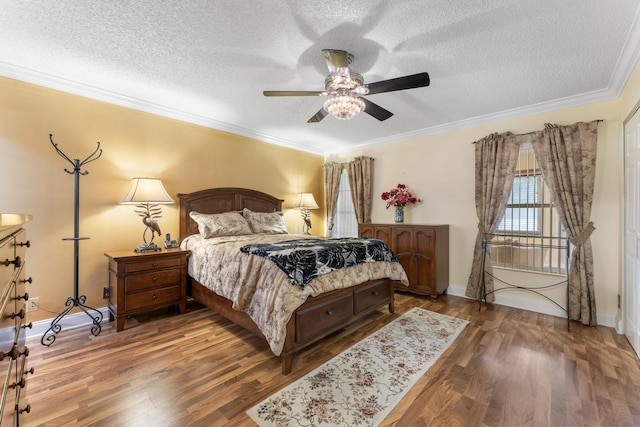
pixel 399 219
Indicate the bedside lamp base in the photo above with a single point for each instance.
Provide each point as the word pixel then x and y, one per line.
pixel 147 247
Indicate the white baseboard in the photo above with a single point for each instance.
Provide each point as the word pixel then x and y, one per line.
pixel 70 321
pixel 619 325
pixel 542 306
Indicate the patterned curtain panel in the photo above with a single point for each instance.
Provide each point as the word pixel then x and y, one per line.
pixel 332 172
pixel 567 157
pixel 360 171
pixel 496 160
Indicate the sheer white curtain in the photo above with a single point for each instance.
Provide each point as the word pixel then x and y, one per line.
pixel 344 216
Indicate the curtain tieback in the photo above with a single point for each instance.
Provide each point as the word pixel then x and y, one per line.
pixel 481 229
pixel 583 236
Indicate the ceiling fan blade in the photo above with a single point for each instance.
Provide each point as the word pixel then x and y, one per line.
pixel 318 116
pixel 335 58
pixel 374 110
pixel 292 93
pixel 400 83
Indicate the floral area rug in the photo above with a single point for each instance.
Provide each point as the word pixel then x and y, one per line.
pixel 360 386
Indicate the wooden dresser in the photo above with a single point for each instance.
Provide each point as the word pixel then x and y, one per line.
pixel 142 282
pixel 13 351
pixel 423 251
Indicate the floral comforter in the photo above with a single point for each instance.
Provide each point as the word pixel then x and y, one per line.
pixel 258 287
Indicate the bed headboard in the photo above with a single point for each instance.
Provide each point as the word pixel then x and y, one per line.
pixel 218 200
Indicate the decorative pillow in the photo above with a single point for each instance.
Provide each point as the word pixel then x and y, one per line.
pixel 222 224
pixel 265 222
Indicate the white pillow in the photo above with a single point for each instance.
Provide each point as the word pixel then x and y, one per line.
pixel 222 224
pixel 265 222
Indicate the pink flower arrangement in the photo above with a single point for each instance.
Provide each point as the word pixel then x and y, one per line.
pixel 399 196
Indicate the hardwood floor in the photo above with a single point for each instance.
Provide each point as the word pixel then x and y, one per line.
pixel 508 368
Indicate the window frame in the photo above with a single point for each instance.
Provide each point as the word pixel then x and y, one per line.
pixel 544 249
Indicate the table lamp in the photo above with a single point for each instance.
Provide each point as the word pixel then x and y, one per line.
pixel 304 203
pixel 147 194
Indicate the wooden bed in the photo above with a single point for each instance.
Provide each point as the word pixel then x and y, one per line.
pixel 319 316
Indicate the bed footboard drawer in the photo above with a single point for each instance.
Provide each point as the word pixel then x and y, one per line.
pixel 324 317
pixel 372 296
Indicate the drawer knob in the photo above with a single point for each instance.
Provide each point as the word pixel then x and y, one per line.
pixel 155 278
pixel 17 262
pixel 20 383
pixel 329 312
pixel 154 297
pixel 155 264
pixel 27 244
pixel 19 314
pixel 29 280
pixel 375 293
pixel 13 353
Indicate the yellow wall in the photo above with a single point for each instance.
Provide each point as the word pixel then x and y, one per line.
pixel 439 169
pixel 186 157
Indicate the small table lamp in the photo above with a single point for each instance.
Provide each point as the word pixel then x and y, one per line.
pixel 304 203
pixel 147 194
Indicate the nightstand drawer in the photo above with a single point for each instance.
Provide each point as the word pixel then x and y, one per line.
pixel 155 264
pixel 153 280
pixel 148 299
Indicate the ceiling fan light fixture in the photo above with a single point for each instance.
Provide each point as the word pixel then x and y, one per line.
pixel 344 107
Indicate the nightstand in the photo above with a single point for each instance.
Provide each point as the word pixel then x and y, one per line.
pixel 142 282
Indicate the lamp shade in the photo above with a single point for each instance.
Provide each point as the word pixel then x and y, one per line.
pixel 306 201
pixel 146 190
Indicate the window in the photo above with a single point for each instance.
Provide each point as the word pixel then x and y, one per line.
pixel 529 236
pixel 524 208
pixel 345 223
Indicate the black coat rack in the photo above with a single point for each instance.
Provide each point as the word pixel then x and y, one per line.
pixel 76 300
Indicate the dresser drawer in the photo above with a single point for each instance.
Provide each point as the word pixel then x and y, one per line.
pixel 7 303
pixel 323 318
pixel 148 299
pixel 21 243
pixel 372 296
pixel 155 264
pixel 7 272
pixel 153 280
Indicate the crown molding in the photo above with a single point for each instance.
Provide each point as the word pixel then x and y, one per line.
pixel 628 57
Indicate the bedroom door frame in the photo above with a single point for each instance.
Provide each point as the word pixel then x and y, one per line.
pixel 630 304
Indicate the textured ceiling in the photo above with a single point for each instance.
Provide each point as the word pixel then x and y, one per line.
pixel 207 62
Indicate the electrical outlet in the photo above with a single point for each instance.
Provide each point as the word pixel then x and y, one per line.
pixel 105 292
pixel 32 304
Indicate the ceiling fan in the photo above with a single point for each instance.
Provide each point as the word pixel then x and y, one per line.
pixel 346 89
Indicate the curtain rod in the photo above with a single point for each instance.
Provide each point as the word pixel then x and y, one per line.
pixel 344 163
pixel 535 131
